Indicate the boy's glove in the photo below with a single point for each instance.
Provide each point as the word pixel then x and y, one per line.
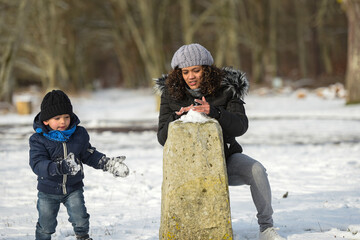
pixel 115 166
pixel 68 165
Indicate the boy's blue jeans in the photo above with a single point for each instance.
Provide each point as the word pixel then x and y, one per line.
pixel 243 169
pixel 48 206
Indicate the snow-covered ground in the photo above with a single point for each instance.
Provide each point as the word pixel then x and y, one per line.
pixel 309 146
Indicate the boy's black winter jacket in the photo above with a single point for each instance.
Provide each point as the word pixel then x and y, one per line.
pixel 226 105
pixel 44 152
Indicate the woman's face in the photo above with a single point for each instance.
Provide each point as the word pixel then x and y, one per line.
pixel 192 76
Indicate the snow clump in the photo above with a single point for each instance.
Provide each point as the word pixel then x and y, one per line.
pixel 193 116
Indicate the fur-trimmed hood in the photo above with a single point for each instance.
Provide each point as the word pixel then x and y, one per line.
pixel 234 80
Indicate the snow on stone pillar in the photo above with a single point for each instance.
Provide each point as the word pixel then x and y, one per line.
pixel 195 194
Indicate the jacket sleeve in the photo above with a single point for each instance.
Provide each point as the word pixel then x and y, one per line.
pixel 233 119
pixel 166 116
pixel 89 155
pixel 39 158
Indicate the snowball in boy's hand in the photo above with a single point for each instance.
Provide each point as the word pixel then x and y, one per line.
pixel 117 167
pixel 120 170
pixel 74 167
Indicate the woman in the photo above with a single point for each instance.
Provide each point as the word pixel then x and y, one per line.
pixel 195 83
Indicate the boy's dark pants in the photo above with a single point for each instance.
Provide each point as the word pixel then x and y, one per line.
pixel 48 207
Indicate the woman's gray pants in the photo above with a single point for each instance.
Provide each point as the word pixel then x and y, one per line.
pixel 242 169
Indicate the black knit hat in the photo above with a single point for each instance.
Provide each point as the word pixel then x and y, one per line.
pixel 55 103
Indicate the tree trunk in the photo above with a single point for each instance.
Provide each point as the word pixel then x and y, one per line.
pixel 300 25
pixel 6 86
pixel 270 54
pixel 227 46
pixel 257 67
pixel 252 31
pixel 8 58
pixel 48 47
pixel 185 9
pixel 147 34
pixel 353 63
pixel 322 39
pixel 190 27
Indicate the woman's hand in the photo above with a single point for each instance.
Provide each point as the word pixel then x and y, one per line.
pixel 184 109
pixel 204 107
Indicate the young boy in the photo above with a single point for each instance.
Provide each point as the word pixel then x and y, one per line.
pixel 57 151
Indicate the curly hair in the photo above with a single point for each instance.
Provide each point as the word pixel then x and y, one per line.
pixel 211 80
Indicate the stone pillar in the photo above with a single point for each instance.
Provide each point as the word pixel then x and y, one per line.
pixel 195 194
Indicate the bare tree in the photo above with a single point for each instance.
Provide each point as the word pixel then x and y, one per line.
pixel 71 43
pixel 9 56
pixel 145 23
pixel 50 51
pixel 270 53
pixel 227 50
pixel 252 34
pixel 78 34
pixel 44 44
pixel 353 64
pixel 192 20
pixel 301 26
pixel 323 40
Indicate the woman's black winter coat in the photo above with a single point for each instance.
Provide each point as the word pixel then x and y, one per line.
pixel 226 106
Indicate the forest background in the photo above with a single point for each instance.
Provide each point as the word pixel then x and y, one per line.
pixel 88 44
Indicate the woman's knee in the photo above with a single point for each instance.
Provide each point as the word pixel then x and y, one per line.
pixel 258 170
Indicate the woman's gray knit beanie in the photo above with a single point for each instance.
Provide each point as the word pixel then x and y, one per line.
pixel 191 55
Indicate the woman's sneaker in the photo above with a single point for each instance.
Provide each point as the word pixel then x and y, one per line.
pixel 85 237
pixel 270 234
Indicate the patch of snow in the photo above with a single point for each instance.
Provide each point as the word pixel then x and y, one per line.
pixel 310 148
pixel 193 116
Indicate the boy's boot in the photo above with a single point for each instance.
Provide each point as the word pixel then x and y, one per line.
pixel 270 234
pixel 85 237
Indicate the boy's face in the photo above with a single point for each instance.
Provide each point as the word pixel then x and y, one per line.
pixel 59 122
